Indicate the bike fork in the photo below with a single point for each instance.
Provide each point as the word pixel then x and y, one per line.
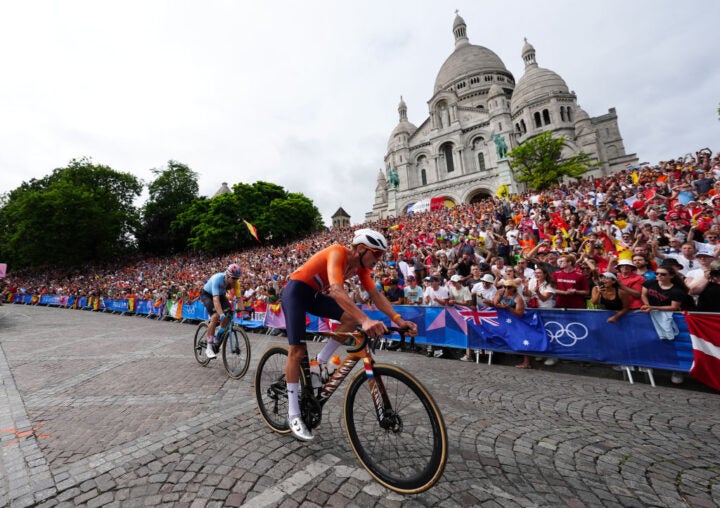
pixel 380 399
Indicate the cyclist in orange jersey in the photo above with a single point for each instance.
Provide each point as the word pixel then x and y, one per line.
pixel 318 287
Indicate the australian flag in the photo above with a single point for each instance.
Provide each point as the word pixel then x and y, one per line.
pixel 526 334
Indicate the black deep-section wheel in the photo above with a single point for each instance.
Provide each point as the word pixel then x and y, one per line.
pixel 407 451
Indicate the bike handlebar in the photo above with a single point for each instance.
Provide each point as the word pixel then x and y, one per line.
pixel 375 340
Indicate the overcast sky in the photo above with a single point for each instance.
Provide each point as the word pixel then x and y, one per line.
pixel 305 94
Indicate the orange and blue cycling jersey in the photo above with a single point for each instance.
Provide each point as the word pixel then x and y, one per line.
pixel 330 266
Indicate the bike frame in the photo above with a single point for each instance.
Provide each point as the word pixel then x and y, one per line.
pixel 361 351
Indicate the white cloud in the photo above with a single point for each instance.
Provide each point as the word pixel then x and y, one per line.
pixel 305 94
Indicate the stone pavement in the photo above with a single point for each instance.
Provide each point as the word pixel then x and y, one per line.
pixel 108 410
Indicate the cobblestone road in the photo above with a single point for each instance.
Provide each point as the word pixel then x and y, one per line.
pixel 107 410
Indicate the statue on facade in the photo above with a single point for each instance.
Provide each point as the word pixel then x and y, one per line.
pixel 394 179
pixel 500 146
pixel 444 117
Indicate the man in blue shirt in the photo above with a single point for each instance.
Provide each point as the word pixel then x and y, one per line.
pixel 216 303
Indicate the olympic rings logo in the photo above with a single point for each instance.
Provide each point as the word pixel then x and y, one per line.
pixel 570 334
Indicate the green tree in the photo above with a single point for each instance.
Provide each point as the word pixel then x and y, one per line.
pixel 78 214
pixel 291 217
pixel 172 192
pixel 216 225
pixel 538 162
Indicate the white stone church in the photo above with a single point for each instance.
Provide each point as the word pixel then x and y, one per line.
pixel 453 158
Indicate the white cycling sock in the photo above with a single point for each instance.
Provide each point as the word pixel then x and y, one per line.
pixel 327 351
pixel 293 399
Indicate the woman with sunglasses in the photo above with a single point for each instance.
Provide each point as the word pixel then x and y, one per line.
pixel 609 296
pixel 664 293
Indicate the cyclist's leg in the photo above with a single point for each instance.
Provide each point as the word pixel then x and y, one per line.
pixel 227 310
pixel 297 299
pixel 294 305
pixel 347 324
pixel 207 300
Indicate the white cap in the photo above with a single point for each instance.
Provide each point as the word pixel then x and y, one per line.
pixel 456 278
pixel 705 251
pixel 488 277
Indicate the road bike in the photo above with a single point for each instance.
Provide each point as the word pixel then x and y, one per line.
pixel 234 344
pixel 392 422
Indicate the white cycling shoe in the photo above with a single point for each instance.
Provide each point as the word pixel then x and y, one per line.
pixel 298 428
pixel 210 351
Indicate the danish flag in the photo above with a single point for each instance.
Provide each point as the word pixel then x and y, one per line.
pixel 480 315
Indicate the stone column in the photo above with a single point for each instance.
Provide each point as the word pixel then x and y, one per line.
pixel 392 202
pixel 505 175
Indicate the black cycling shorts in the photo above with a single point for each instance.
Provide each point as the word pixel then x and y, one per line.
pixel 297 299
pixel 207 300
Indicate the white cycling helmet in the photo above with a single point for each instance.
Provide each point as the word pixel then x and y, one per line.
pixel 371 239
pixel 233 270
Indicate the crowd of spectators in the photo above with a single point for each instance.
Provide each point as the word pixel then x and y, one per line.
pixel 645 238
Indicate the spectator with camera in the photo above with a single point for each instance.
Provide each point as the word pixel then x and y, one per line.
pixel 709 295
pixel 630 282
pixel 609 296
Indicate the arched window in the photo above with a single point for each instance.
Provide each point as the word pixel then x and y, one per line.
pixel 421 165
pixel 538 122
pixel 449 164
pixel 522 125
pixel 546 116
pixel 562 113
pixel 569 114
pixel 481 162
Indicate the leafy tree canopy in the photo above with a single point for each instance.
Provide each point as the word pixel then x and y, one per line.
pixel 80 213
pixel 538 162
pixel 216 225
pixel 171 193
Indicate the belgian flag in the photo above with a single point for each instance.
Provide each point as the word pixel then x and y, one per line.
pixel 253 230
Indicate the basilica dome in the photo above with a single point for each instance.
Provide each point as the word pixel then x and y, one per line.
pixel 403 130
pixel 537 82
pixel 467 59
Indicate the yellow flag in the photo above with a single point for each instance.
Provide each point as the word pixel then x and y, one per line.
pixel 635 177
pixel 503 191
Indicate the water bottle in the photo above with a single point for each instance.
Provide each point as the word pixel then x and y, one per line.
pixel 315 373
pixel 220 332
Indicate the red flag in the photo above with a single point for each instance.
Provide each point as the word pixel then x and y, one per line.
pixel 706 348
pixel 437 203
pixel 558 221
pixel 252 229
pixel 608 244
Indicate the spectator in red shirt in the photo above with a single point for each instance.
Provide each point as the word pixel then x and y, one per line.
pixel 630 282
pixel 572 287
